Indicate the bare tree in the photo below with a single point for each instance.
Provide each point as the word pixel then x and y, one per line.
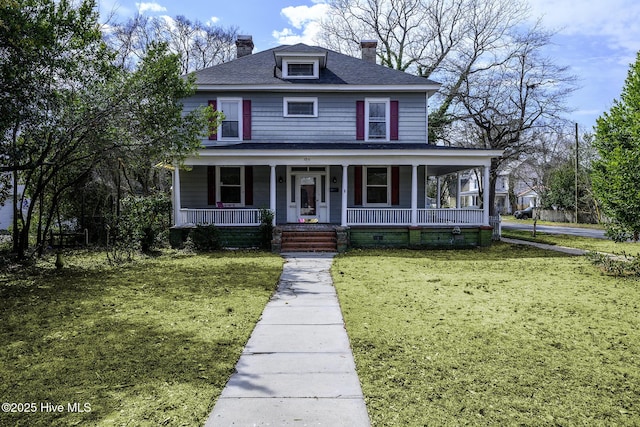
pixel 198 45
pixel 510 104
pixel 447 40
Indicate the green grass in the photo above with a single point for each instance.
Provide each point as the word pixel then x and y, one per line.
pixel 586 243
pixel 509 335
pixel 151 344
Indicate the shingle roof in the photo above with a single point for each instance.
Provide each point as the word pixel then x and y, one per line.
pixel 260 69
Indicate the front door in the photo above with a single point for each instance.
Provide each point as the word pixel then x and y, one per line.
pixel 308 199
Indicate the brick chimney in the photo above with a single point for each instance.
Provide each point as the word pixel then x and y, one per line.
pixel 244 46
pixel 368 48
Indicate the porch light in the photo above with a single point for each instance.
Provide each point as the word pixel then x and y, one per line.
pixel 280 179
pixel 334 180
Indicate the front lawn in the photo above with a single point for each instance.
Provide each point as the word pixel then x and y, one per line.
pixel 509 335
pixel 149 344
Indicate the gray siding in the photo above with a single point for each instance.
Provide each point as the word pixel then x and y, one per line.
pixel 336 121
pixel 193 186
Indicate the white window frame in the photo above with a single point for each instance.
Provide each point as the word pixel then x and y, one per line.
pixel 285 68
pixel 237 101
pixel 219 188
pixel 365 186
pixel 287 100
pixel 367 103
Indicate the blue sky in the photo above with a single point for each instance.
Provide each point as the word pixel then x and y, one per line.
pixel 597 39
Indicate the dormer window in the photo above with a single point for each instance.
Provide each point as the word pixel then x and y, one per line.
pixel 300 69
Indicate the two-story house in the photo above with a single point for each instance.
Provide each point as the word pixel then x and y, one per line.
pixel 328 143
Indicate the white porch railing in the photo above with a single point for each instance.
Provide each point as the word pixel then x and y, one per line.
pixel 450 216
pixel 385 216
pixel 228 217
pixel 381 216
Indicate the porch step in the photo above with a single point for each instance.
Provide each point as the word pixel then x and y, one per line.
pixel 309 241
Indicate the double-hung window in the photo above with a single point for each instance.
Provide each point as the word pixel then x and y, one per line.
pixel 231 185
pixel 300 107
pixel 231 126
pixel 377 112
pixel 377 187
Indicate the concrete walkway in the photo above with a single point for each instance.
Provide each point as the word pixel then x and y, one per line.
pixel 563 249
pixel 297 368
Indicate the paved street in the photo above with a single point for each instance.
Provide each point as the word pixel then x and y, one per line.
pixel 552 229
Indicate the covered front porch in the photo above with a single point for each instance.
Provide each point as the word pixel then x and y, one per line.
pixel 251 217
pixel 357 186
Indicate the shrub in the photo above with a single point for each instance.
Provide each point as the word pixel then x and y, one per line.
pixel 616 265
pixel 206 238
pixel 266 228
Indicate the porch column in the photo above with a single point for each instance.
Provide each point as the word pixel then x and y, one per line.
pixel 458 190
pixel 414 195
pixel 343 217
pixel 176 194
pixel 427 205
pixel 272 192
pixel 485 195
pixel 439 193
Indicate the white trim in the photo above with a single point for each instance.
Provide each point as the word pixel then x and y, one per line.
pixel 365 186
pixel 295 60
pixel 387 119
pixel 177 191
pixel 465 159
pixel 323 209
pixel 430 89
pixel 238 101
pixel 344 196
pixel 272 193
pixel 219 187
pixel 287 99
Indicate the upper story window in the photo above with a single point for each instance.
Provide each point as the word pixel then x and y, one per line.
pixel 377 112
pixel 300 68
pixel 300 107
pixel 231 127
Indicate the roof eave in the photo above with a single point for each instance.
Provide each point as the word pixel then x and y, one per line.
pixel 428 88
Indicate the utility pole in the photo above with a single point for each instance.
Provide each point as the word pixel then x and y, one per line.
pixel 577 165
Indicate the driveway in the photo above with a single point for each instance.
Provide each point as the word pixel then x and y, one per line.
pixel 552 229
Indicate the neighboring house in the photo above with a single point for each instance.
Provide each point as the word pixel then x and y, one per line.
pixel 470 191
pixel 6 210
pixel 325 139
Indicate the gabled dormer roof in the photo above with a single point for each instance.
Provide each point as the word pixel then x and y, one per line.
pixel 338 72
pixel 300 50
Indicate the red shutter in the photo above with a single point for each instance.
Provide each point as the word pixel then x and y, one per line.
pixel 211 185
pixel 360 120
pixel 357 185
pixel 246 119
pixel 394 120
pixel 248 185
pixel 213 133
pixel 395 185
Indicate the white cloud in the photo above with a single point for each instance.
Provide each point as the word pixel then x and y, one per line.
pixel 213 20
pixel 305 23
pixel 616 20
pixel 152 7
